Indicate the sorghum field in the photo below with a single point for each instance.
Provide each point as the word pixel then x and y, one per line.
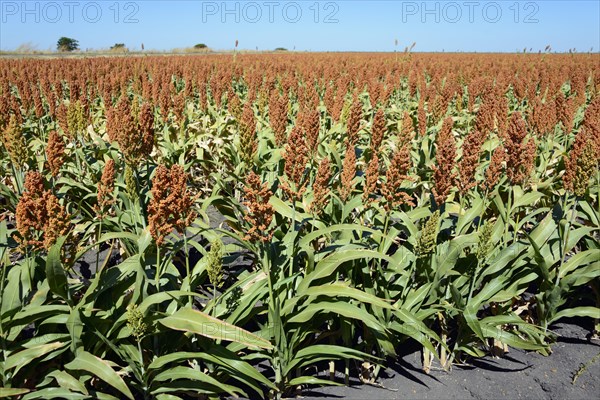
pixel 234 225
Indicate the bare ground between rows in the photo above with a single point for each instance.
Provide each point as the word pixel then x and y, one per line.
pixel 518 375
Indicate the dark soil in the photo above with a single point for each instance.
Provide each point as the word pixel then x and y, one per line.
pixel 518 375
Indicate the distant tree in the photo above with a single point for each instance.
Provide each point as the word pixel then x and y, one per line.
pixel 281 49
pixel 119 48
pixel 200 46
pixel 67 44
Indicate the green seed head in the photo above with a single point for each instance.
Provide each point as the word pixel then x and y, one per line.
pixel 135 322
pixel 214 265
pixel 485 240
pixel 130 183
pixel 427 241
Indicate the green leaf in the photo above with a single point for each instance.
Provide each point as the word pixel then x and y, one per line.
pixel 339 307
pixel 32 314
pixel 166 396
pixel 320 352
pixel 281 207
pixel 590 212
pixel 470 312
pixel 309 237
pixel 55 393
pixel 509 338
pixel 186 373
pixel 339 289
pixel 66 380
pixel 329 264
pixel 592 312
pixel 106 237
pixel 540 260
pixel 407 222
pixel 543 231
pixel 158 298
pixel 515 289
pixel 101 369
pixel 11 295
pixel 469 215
pixel 310 380
pixel 24 357
pixel 528 199
pixel 75 328
pixel 218 355
pixel 415 328
pixel 189 320
pixel 112 277
pixel 447 260
pixel 501 261
pixel 10 392
pixel 144 240
pixel 57 279
pixel 579 260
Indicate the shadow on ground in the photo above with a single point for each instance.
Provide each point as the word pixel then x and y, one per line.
pixel 518 375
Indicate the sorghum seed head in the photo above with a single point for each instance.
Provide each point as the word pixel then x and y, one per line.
pixel 378 129
pixel 494 170
pixel 105 189
pixel 40 218
pixel 427 241
pixel 295 158
pixel 135 322
pixel 248 139
pixel 371 179
pixel 259 213
pixel 581 164
pixel 214 263
pixel 354 120
pixel 15 142
pixel 171 204
pixel 443 172
pixel 321 187
pixel 348 172
pixel 520 150
pixel 484 244
pixel 55 151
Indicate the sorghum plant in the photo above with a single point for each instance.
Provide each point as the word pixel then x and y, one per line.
pixel 348 172
pixel 55 151
pixel 444 175
pixel 321 187
pixel 520 150
pixel 248 140
pixel 260 213
pixel 40 218
pixel 171 205
pixel 15 142
pixel 295 157
pixel 106 187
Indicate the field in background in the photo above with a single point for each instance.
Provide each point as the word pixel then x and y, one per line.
pixel 238 224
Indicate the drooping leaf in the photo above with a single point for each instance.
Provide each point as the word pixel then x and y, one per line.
pixel 101 369
pixel 189 320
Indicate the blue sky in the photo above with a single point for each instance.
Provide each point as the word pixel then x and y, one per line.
pixel 343 25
